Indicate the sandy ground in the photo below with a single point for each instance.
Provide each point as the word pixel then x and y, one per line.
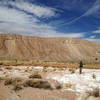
pixel 6 93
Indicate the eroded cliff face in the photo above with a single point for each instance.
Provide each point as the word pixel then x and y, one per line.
pixel 49 49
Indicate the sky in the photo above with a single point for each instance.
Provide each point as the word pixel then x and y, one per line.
pixel 51 18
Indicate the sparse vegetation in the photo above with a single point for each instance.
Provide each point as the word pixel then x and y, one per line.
pixel 18 86
pixel 12 81
pixel 8 61
pixel 96 59
pixel 2 78
pixel 72 70
pixel 67 85
pixel 8 81
pixel 95 92
pixel 37 84
pixel 35 75
pixel 58 85
pixel 8 67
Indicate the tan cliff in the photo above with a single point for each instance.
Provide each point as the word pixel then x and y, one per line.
pixel 49 49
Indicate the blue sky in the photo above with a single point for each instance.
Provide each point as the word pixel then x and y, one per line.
pixel 51 18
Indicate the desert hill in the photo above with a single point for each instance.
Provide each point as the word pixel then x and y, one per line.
pixel 49 49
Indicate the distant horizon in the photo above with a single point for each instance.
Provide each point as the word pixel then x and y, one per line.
pixel 51 18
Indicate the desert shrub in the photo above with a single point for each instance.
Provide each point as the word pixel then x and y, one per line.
pixel 26 70
pixel 55 84
pixel 35 75
pixel 12 81
pixel 18 87
pixel 58 86
pixel 28 83
pixel 95 92
pixel 8 81
pixel 96 59
pixel 2 78
pixel 8 67
pixel 37 84
pixel 44 69
pixel 1 63
pixel 67 85
pixel 72 71
pixel 1 69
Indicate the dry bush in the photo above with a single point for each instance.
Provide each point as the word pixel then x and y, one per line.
pixel 72 70
pixel 18 86
pixel 12 81
pixel 26 70
pixel 35 75
pixel 96 92
pixel 8 68
pixel 2 78
pixel 67 85
pixel 8 81
pixel 58 85
pixel 37 84
pixel 44 69
pixel 1 69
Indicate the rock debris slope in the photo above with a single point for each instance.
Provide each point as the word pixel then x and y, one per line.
pixel 49 49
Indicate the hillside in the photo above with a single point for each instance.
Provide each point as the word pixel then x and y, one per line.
pixel 49 49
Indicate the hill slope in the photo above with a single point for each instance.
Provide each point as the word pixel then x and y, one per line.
pixel 49 49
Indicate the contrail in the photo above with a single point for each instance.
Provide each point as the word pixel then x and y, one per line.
pixel 88 12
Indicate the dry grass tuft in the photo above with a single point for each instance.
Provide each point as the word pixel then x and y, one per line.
pixel 36 75
pixel 96 92
pixel 18 86
pixel 68 85
pixel 8 68
pixel 37 84
pixel 72 70
pixel 12 81
pixel 58 85
pixel 2 78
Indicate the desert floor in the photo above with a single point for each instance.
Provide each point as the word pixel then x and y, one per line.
pixel 73 85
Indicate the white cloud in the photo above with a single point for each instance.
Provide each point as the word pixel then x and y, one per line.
pixel 92 37
pixel 96 31
pixel 94 40
pixel 95 9
pixel 40 11
pixel 12 15
pixel 74 35
pixel 43 30
pixel 17 21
